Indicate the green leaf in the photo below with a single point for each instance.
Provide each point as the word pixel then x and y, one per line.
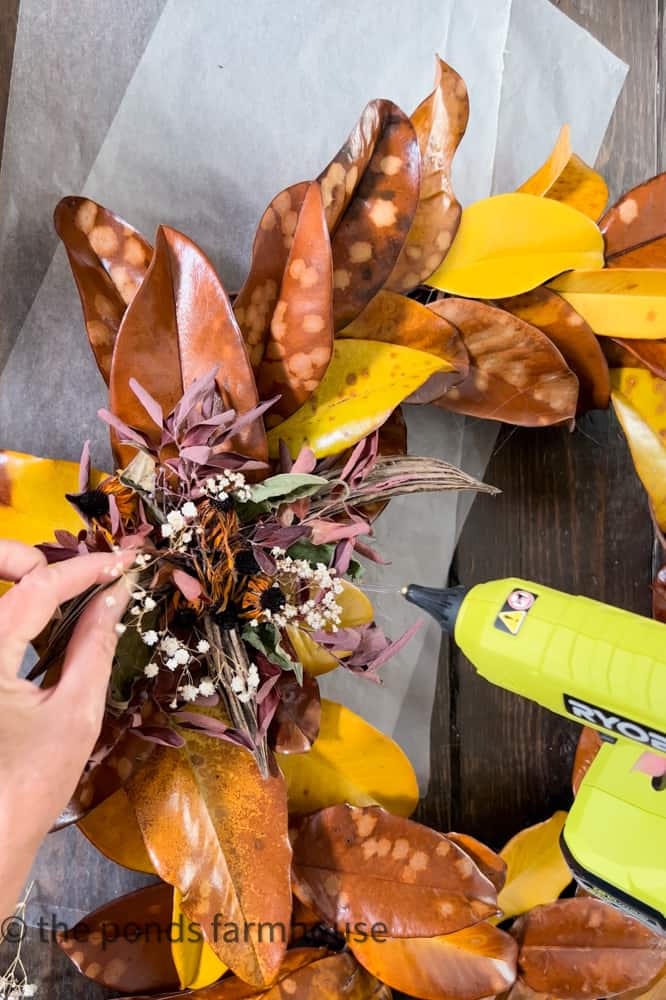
pixel 268 640
pixel 303 549
pixel 287 487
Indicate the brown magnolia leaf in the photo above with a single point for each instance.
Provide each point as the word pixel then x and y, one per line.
pixel 476 962
pixel 295 726
pixel 516 374
pixel 125 943
pixel 634 228
pixel 490 864
pixel 659 596
pixel 298 347
pixel 572 336
pixel 395 319
pixel 371 192
pixel 217 830
pixel 440 122
pixel 179 327
pixel 650 354
pixel 109 260
pixel 580 948
pixel 655 990
pixel 589 744
pixel 364 867
pixel 257 298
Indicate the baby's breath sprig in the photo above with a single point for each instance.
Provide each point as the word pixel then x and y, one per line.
pixel 14 983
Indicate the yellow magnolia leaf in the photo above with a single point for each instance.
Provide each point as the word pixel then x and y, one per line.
pixel 566 178
pixel 350 761
pixel 618 302
pixel 644 427
pixel 113 829
pixel 536 870
pixel 196 963
pixel 356 610
pixel 363 384
pixel 511 243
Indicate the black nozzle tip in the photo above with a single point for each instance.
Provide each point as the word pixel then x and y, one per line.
pixel 442 603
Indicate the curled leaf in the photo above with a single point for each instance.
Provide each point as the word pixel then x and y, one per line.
pixel 572 336
pixel 112 828
pixel 638 403
pixel 364 867
pixel 589 744
pixel 516 374
pixel 350 761
pixel 440 122
pixel 109 260
pixel 629 304
pixel 634 228
pixel 492 865
pixel 476 962
pixel 536 870
pixel 565 177
pixel 295 726
pixel 580 948
pixel 363 384
pixel 650 354
pixel 510 243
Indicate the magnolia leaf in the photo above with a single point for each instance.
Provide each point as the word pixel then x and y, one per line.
pixel 295 726
pixel 573 338
pixel 196 963
pixel 650 354
pixel 287 486
pixel 589 745
pixel 476 962
pixel 112 828
pixel 127 962
pixel 643 428
pixel 350 761
pixel 634 227
pixel 356 610
pixel 489 864
pixel 536 870
pixel 516 374
pixel 565 177
pixel 370 191
pixel 618 303
pixel 217 831
pixel 580 948
pixel 297 348
pixel 655 991
pixel 659 596
pixel 109 260
pixel 178 328
pixel 364 383
pixel 365 868
pixel 510 243
pixel 440 122
pixel 395 319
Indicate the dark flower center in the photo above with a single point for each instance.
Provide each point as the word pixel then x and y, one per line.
pixel 273 599
pixel 245 563
pixel 223 506
pixel 227 618
pixel 185 618
pixel 93 504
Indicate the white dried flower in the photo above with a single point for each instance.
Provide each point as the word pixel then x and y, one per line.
pixel 203 646
pixel 151 670
pixel 182 656
pixel 189 510
pixel 206 687
pixel 149 604
pixel 189 692
pixel 120 629
pixel 150 637
pixel 167 531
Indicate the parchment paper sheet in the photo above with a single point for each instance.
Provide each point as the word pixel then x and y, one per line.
pixel 222 111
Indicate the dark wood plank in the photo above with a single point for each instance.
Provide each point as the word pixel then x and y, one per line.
pixel 573 516
pixel 8 20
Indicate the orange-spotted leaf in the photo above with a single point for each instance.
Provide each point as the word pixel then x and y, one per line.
pixel 217 831
pixel 492 865
pixel 511 243
pixel 395 319
pixel 516 374
pixel 634 227
pixel 536 870
pixel 128 962
pixel 179 327
pixel 371 192
pixel 565 177
pixel 300 340
pixel 574 339
pixel 638 400
pixel 650 354
pixel 476 962
pixel 196 963
pixel 589 744
pixel 109 260
pixel 363 384
pixel 350 761
pixel 365 867
pixel 580 948
pixel 112 828
pixel 629 304
pixel 440 122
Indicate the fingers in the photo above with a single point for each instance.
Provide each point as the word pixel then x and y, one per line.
pixel 29 606
pixel 87 666
pixel 17 559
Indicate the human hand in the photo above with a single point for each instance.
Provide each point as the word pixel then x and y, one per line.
pixel 47 734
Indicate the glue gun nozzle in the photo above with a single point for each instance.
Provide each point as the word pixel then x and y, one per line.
pixel 442 603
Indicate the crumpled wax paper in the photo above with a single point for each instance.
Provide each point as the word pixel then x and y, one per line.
pixel 226 107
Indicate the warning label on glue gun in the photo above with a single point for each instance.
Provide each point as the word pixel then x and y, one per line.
pixel 514 611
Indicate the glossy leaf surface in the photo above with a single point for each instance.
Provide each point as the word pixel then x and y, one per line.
pixel 364 383
pixel 638 403
pixel 492 865
pixel 357 610
pixel 618 303
pixel 516 374
pixel 536 870
pixel 589 744
pixel 296 724
pixel 112 828
pixel 350 761
pixel 634 227
pixel 649 354
pixel 565 177
pixel 510 243
pixel 196 963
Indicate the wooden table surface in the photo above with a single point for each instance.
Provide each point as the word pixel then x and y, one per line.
pixel 572 515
